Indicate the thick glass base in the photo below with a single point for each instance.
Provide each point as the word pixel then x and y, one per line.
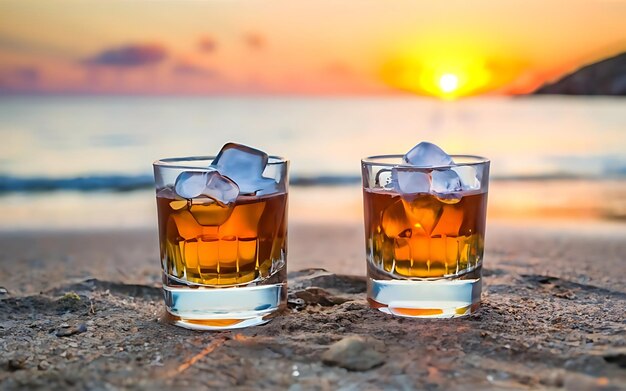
pixel 425 299
pixel 207 308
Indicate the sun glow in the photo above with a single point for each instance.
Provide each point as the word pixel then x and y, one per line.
pixel 448 83
pixel 450 75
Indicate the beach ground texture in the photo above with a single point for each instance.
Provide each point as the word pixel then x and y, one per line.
pixel 82 310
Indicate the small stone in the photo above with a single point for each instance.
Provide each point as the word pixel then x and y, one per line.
pixel 567 294
pixel 314 295
pixel 295 303
pixel 17 363
pixel 68 331
pixel 43 365
pixel 354 354
pixel 3 291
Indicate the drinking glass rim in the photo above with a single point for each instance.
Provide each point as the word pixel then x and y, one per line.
pixel 374 161
pixel 186 161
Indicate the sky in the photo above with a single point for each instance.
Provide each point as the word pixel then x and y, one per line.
pixel 355 47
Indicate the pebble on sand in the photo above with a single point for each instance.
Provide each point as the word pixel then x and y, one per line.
pixel 354 354
pixel 67 331
pixel 17 363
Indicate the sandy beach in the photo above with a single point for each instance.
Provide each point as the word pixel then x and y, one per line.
pixel 82 306
pixel 552 313
pixel 552 316
pixel 584 251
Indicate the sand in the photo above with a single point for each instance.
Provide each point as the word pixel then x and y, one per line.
pixel 553 310
pixel 584 250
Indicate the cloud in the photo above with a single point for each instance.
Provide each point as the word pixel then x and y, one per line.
pixel 207 44
pixel 134 55
pixel 187 68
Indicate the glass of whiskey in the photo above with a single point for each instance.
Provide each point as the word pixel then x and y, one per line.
pixel 223 262
pixel 424 232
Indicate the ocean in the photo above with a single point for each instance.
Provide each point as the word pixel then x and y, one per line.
pixel 69 153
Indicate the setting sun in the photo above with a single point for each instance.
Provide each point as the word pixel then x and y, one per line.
pixel 448 74
pixel 448 83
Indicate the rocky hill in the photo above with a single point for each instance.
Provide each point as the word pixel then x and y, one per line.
pixel 606 77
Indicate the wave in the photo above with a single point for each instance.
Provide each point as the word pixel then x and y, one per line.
pixel 121 183
pixel 82 183
pixel 134 182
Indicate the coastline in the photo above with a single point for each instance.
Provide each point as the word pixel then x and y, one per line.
pixel 544 200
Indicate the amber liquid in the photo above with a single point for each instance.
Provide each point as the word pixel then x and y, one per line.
pixel 424 236
pixel 203 242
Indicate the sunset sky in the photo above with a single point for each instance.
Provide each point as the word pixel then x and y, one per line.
pixel 446 49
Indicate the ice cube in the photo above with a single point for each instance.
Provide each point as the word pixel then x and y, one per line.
pixel 424 214
pixel 449 223
pixel 258 186
pixel 221 188
pixel 194 184
pixel 427 154
pixel 240 160
pixel 394 220
pixel 182 225
pixel 383 178
pixel 190 184
pixel 468 177
pixel 244 222
pixel 266 186
pixel 245 166
pixel 179 204
pixel 409 181
pixel 210 214
pixel 445 181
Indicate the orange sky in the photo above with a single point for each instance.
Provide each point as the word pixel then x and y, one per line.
pixel 294 46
